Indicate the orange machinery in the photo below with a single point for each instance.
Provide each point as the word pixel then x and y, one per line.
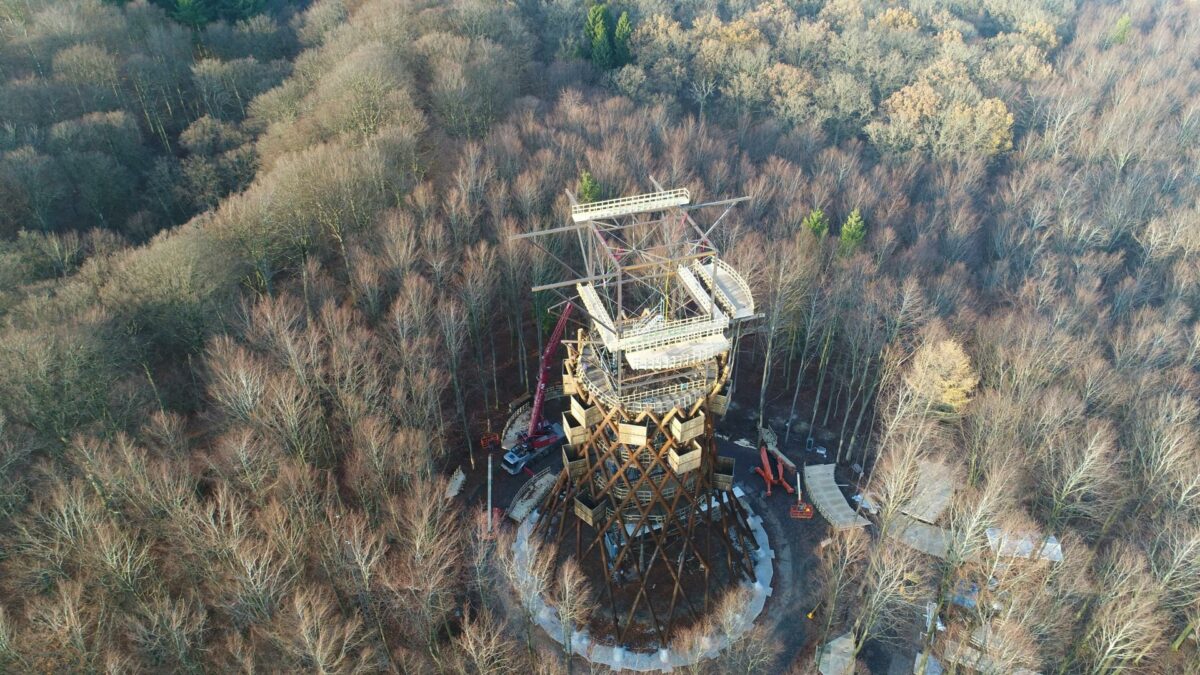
pixel 800 510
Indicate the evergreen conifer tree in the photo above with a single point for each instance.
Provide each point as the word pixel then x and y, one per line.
pixel 817 223
pixel 589 189
pixel 594 28
pixel 602 47
pixel 854 231
pixel 621 36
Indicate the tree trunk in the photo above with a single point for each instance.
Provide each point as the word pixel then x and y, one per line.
pixel 462 412
pixel 800 370
pixel 522 357
pixel 862 409
pixel 495 376
pixel 820 382
pixel 766 378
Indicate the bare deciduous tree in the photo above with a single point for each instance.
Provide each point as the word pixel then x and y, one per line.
pixel 427 572
pixel 316 636
pixel 573 601
pixel 884 607
pixel 452 320
pixel 483 646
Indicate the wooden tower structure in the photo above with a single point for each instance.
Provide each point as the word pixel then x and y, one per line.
pixel 643 493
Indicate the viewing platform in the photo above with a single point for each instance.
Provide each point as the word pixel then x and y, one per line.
pixel 679 388
pixel 624 206
pixel 655 342
pixel 730 290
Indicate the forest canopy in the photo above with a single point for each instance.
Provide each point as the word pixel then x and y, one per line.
pixel 251 254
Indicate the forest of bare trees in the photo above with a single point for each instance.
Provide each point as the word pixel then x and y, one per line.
pixel 252 257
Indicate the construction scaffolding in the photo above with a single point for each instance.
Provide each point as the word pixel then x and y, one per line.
pixel 642 490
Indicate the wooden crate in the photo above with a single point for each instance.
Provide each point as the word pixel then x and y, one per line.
pixel 576 432
pixel 570 386
pixel 574 460
pixel 590 416
pixel 723 474
pixel 687 460
pixel 589 510
pixel 719 404
pixel 632 434
pixel 685 430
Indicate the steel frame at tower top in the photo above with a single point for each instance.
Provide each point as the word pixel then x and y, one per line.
pixel 653 286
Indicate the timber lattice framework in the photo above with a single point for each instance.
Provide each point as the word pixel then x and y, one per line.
pixel 643 493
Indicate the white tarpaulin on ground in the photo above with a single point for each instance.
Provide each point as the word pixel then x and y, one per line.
pixel 934 489
pixel 1024 545
pixel 923 537
pixel 837 656
pixel 456 483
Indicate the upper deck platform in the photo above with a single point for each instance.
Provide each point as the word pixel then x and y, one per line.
pixel 624 206
pixel 652 341
pixel 730 290
pixel 649 334
pixel 680 387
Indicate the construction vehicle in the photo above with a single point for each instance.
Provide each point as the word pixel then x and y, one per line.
pixel 543 436
pixel 798 511
pixel 801 511
pixel 767 475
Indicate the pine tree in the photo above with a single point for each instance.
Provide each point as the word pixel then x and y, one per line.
pixel 595 28
pixel 193 13
pixel 1120 31
pixel 589 189
pixel 602 47
pixel 236 10
pixel 817 223
pixel 854 231
pixel 621 36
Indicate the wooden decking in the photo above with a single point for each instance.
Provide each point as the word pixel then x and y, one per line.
pixel 823 492
pixel 681 388
pixel 601 319
pixel 531 494
pixel 731 291
pixel 700 295
pixel 679 355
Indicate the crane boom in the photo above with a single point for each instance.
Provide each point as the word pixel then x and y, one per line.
pixel 535 419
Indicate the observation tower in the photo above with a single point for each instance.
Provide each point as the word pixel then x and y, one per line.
pixel 647 501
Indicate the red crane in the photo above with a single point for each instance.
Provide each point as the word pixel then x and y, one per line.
pixel 535 419
pixel 767 475
pixel 542 436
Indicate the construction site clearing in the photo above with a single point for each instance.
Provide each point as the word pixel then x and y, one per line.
pixel 663 514
pixel 829 488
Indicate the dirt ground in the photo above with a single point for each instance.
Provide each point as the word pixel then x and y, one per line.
pixel 794 541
